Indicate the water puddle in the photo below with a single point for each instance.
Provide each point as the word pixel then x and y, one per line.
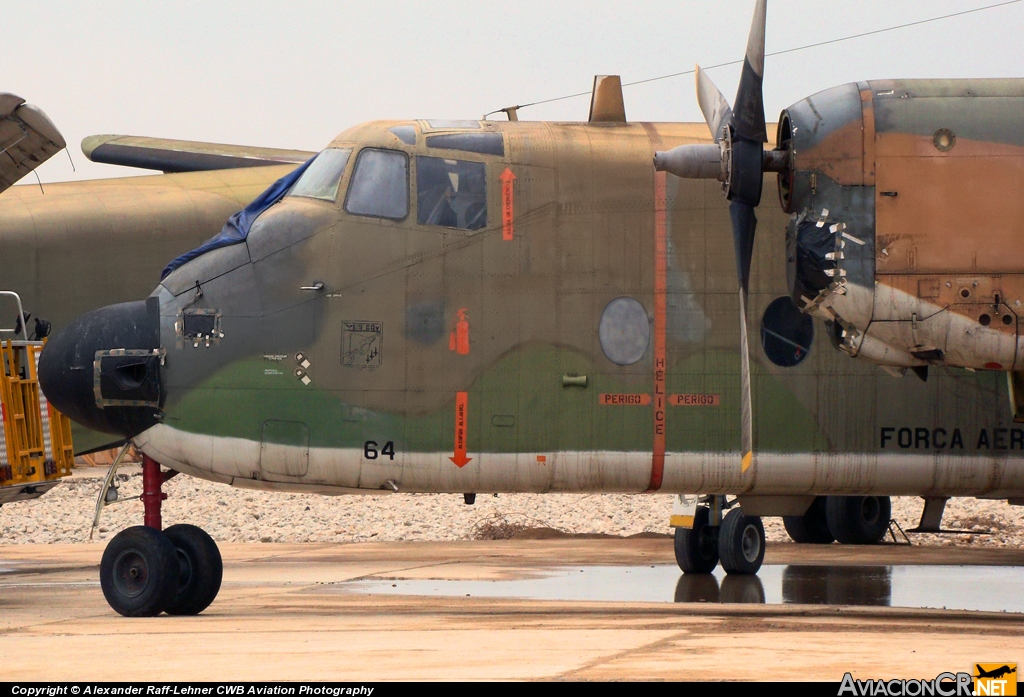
pixel 991 588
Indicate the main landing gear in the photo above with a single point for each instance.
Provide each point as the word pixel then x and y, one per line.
pixel 737 541
pixel 146 570
pixel 850 520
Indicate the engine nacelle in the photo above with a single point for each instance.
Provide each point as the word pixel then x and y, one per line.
pixel 907 218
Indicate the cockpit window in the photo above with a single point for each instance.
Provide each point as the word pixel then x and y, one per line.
pixel 483 143
pixel 451 193
pixel 406 134
pixel 452 123
pixel 321 178
pixel 380 185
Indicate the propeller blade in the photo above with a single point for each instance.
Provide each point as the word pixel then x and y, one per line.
pixel 746 407
pixel 744 224
pixel 740 166
pixel 713 105
pixel 748 108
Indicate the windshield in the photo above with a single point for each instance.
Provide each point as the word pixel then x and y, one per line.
pixel 322 177
pixel 380 185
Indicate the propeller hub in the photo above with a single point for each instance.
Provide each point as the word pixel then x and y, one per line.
pixel 708 161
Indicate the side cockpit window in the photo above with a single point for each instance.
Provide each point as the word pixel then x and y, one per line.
pixel 321 178
pixel 406 134
pixel 380 185
pixel 451 193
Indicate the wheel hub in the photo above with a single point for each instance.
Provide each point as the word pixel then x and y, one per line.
pixel 707 544
pixel 131 573
pixel 750 543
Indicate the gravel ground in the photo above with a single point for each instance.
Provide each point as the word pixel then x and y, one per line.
pixel 239 515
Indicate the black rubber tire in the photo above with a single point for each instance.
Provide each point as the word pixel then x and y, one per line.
pixel 138 572
pixel 742 588
pixel 697 547
pixel 200 570
pixel 741 543
pixel 858 520
pixel 812 526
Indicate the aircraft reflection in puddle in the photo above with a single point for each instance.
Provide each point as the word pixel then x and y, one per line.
pixel 808 585
pixel 986 588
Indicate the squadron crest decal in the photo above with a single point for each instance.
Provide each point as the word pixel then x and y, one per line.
pixel 361 344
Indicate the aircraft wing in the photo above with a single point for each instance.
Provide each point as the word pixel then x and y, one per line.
pixel 27 139
pixel 168 155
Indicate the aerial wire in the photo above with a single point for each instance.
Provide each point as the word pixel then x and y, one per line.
pixel 775 53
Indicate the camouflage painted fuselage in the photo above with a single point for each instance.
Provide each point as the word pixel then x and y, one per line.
pixel 423 338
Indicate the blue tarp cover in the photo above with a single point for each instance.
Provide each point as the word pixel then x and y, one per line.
pixel 237 227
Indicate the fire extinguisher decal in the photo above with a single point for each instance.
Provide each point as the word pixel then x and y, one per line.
pixel 458 339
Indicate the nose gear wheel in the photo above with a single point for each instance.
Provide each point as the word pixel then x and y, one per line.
pixel 138 572
pixel 200 570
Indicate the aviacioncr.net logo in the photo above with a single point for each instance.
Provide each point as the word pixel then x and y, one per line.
pixel 942 685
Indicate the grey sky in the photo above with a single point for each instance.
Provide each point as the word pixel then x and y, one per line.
pixel 295 74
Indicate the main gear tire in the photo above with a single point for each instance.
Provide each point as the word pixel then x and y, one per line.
pixel 138 572
pixel 858 520
pixel 697 547
pixel 812 526
pixel 200 570
pixel 741 543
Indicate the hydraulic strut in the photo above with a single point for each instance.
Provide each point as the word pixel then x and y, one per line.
pixel 152 496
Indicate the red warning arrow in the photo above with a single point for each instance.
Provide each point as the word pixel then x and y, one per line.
pixel 507 179
pixel 461 407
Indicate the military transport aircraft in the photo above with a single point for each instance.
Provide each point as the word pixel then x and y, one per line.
pixel 479 306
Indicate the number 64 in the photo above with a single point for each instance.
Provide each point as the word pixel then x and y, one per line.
pixel 370 450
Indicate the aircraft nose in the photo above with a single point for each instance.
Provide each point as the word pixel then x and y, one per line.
pixel 103 369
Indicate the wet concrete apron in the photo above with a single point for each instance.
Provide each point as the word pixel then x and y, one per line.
pixel 288 612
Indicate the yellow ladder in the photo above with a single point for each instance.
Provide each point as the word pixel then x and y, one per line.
pixel 36 437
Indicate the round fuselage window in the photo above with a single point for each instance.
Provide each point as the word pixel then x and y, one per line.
pixel 625 331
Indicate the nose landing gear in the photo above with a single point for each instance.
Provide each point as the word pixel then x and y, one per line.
pixel 146 571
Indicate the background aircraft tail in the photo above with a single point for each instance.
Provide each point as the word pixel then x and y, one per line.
pixel 27 139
